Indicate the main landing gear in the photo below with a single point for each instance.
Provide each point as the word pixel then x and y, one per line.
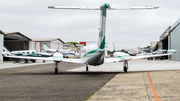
pixel 125 66
pixel 87 68
pixel 56 68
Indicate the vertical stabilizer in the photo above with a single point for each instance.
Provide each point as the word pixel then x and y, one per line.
pixel 101 40
pixel 45 47
pixel 6 51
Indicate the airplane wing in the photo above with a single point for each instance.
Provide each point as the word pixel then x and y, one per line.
pixel 47 58
pixel 112 59
pixel 147 56
pixel 27 57
pixel 121 59
pixel 72 60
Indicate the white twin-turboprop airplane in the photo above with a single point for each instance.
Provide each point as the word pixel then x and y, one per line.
pixel 94 54
pixel 29 53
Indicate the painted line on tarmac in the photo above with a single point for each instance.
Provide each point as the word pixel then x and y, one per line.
pixel 23 71
pixel 156 96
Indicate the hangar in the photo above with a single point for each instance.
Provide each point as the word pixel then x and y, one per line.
pixel 170 39
pixel 53 43
pixel 16 41
pixel 1 45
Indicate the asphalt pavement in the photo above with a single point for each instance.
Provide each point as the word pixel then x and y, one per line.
pixel 39 83
pixel 145 81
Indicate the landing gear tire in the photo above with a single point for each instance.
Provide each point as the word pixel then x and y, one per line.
pixel 26 60
pixel 87 68
pixel 56 70
pixel 33 61
pixel 125 66
pixel 125 69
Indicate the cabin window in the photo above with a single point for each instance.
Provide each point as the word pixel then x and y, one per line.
pixel 27 52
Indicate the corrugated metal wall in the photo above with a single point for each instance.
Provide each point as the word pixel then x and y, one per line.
pixel 175 42
pixel 54 44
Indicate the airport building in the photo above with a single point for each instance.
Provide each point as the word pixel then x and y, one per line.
pixel 52 43
pixel 69 46
pixel 170 39
pixel 16 41
pixel 1 45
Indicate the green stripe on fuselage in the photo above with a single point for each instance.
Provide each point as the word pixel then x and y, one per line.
pixel 91 52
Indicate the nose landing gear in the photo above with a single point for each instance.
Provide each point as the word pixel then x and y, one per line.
pixel 56 68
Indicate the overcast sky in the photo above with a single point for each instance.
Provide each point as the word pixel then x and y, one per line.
pixel 126 28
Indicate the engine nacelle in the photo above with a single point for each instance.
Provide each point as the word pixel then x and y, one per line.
pixel 57 56
pixel 120 54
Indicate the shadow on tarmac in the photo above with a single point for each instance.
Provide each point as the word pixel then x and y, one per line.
pixel 66 73
pixel 84 72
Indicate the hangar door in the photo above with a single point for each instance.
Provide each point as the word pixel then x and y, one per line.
pixel 175 43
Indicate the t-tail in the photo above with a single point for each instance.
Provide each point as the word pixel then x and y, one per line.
pixel 6 51
pixel 102 29
pixel 45 46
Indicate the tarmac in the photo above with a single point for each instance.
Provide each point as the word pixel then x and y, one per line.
pixel 11 64
pixel 146 80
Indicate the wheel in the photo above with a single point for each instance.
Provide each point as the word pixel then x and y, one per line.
pixel 125 69
pixel 33 61
pixel 56 70
pixel 26 61
pixel 87 69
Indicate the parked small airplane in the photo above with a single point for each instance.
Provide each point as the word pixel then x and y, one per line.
pixel 94 54
pixel 63 51
pixel 30 53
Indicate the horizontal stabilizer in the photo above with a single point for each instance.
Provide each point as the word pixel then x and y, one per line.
pixel 132 8
pixel 75 7
pixel 98 8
